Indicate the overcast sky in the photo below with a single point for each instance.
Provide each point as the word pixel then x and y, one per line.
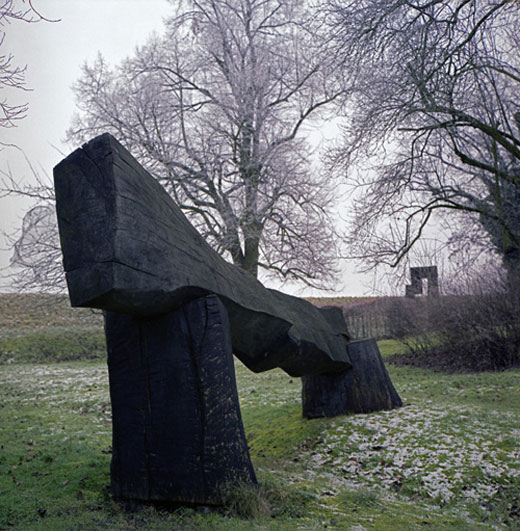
pixel 54 53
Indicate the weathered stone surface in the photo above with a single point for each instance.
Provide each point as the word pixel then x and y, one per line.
pixel 364 388
pixel 177 429
pixel 128 248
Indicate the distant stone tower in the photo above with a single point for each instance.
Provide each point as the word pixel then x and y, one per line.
pixel 417 275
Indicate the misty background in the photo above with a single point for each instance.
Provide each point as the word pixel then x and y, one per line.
pixel 54 53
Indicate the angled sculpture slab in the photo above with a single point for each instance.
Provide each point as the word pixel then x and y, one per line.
pixel 128 248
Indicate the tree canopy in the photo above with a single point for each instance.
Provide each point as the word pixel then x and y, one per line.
pixel 215 109
pixel 435 120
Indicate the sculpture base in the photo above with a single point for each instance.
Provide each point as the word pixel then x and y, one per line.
pixel 178 436
pixel 364 388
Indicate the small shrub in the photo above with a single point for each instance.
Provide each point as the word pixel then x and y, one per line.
pixel 245 500
pixel 481 332
pixel 285 501
pixel 478 331
pixel 268 499
pixel 361 498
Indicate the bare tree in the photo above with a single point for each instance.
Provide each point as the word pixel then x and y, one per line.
pixel 36 246
pixel 435 120
pixel 36 259
pixel 215 109
pixel 12 76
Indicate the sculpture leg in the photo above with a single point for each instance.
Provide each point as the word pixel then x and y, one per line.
pixel 177 429
pixel 364 388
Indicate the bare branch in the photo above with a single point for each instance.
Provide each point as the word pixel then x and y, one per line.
pixel 433 122
pixel 215 109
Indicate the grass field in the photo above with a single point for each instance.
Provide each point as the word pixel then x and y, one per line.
pixel 448 459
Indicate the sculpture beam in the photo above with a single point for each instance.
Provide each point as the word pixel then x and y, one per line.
pixel 128 248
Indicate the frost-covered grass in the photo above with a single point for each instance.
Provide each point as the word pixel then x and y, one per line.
pixel 450 456
pixel 449 459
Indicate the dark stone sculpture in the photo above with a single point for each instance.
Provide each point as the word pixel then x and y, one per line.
pixel 177 428
pixel 417 274
pixel 128 248
pixel 363 389
pixel 175 311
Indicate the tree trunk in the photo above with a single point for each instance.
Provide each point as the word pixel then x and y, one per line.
pixel 251 254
